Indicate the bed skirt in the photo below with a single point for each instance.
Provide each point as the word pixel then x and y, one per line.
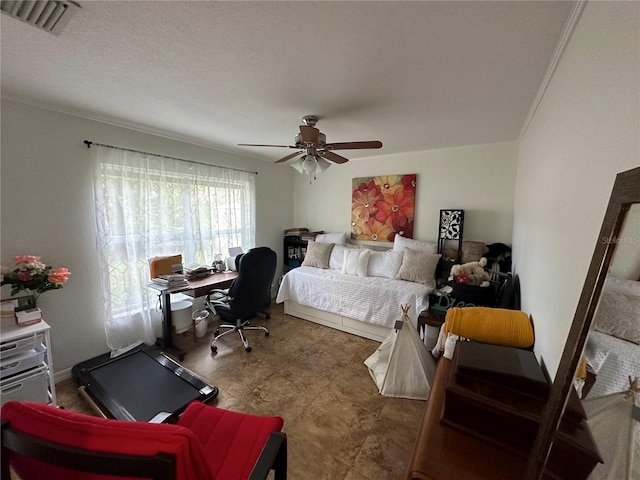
pixel 339 322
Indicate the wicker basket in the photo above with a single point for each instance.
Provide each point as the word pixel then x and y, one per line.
pixel 472 251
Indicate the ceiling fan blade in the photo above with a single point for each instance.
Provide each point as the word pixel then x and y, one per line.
pixel 353 145
pixel 258 145
pixel 334 157
pixel 288 157
pixel 309 134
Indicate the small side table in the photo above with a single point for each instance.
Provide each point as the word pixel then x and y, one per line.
pixel 432 317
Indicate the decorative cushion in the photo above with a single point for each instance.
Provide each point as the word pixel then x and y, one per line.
pixel 400 243
pixel 384 264
pixel 499 326
pixel 317 255
pixel 419 266
pixel 355 262
pixel 336 259
pixel 335 238
pixel 619 285
pixel 618 315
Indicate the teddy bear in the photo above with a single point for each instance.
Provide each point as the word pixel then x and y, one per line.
pixel 471 273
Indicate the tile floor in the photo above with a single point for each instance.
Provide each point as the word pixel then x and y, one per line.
pixel 338 426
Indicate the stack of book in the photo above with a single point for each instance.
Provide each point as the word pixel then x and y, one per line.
pixel 7 313
pixel 296 231
pixel 310 235
pixel 171 280
pixel 28 316
pixel 197 271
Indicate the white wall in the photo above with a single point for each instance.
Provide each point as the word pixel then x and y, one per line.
pixel 585 130
pixel 478 179
pixel 47 210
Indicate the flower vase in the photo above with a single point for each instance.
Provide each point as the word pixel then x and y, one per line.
pixel 26 311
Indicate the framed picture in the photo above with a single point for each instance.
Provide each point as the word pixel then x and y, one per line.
pixel 383 207
pixel 450 229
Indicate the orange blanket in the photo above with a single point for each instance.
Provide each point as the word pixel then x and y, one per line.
pixel 511 328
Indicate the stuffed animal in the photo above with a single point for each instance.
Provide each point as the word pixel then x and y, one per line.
pixel 471 273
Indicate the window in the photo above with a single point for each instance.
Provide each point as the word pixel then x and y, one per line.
pixel 149 205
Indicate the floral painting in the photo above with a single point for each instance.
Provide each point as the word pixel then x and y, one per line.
pixel 382 207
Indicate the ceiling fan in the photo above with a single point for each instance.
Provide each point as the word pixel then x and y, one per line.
pixel 313 148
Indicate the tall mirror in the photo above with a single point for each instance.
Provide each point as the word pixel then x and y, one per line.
pixel 603 318
pixel 612 349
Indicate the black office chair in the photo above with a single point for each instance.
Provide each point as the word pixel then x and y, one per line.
pixel 248 295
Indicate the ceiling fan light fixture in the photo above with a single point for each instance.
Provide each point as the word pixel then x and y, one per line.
pixel 298 165
pixel 322 164
pixel 311 165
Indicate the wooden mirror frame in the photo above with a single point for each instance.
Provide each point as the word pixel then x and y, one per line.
pixel 626 191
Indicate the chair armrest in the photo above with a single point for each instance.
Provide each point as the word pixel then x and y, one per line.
pixel 273 457
pixel 223 297
pixel 218 290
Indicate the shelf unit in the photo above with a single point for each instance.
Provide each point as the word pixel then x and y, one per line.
pixel 26 364
pixel 294 251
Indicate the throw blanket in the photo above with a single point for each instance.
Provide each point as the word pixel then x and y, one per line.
pixel 373 300
pixel 499 326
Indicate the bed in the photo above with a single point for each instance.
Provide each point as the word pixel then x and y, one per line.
pixel 360 290
pixel 365 306
pixel 612 350
pixel 612 360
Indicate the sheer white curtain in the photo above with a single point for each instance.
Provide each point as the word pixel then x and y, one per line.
pixel 149 205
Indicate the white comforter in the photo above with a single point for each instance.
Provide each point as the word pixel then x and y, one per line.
pixel 373 300
pixel 613 360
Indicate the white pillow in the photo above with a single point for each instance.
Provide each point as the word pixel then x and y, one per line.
pixel 619 285
pixel 336 260
pixel 384 264
pixel 400 243
pixel 335 238
pixel 595 354
pixel 355 262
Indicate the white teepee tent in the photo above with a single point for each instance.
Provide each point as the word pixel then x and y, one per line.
pixel 401 366
pixel 617 434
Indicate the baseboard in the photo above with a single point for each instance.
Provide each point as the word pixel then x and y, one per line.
pixel 62 375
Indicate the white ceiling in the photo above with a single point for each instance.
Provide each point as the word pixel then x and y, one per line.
pixel 414 75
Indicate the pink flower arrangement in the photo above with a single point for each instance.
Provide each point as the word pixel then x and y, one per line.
pixel 33 277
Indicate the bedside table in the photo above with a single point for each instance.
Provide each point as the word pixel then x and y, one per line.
pixel 430 321
pixel 431 317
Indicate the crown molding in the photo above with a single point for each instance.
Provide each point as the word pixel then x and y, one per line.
pixel 124 124
pixel 567 32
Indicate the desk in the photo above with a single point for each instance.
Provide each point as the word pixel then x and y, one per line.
pixel 196 288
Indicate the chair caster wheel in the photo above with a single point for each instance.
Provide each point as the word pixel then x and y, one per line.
pixel 248 349
pixel 266 334
pixel 215 334
pixel 214 349
pixel 267 316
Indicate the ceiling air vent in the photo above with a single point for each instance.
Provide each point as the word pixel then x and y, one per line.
pixel 51 16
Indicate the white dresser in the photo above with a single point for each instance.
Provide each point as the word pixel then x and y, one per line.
pixel 26 367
